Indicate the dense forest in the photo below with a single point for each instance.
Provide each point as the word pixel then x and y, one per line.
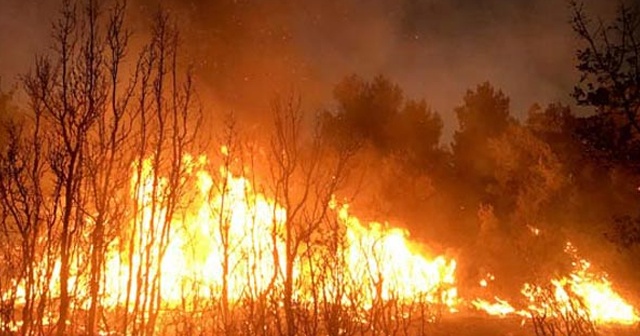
pixel 108 157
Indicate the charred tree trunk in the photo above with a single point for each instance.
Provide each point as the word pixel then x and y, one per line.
pixel 65 243
pixel 291 254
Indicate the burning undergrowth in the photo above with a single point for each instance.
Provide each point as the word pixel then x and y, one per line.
pixel 219 263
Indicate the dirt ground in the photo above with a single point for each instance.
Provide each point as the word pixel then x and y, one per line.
pixel 483 326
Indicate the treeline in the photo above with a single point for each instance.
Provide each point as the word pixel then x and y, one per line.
pixel 509 191
pixel 105 121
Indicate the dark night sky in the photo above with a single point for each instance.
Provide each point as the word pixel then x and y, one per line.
pixel 246 50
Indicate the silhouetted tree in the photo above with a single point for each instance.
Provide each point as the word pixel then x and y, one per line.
pixel 305 175
pixel 64 182
pixel 483 116
pixel 609 63
pixel 376 113
pixel 365 110
pixel 165 131
pixel 71 91
pixel 25 218
pixel 401 138
pixel 416 133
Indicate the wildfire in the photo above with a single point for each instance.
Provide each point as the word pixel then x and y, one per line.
pixel 498 308
pixel 231 240
pixel 583 293
pixel 384 259
pixel 227 242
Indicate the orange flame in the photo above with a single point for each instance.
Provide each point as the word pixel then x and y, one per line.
pixel 378 254
pixel 232 224
pixel 500 307
pixel 598 300
pixel 229 237
pixel 595 296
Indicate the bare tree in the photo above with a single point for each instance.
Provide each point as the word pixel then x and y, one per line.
pixel 23 220
pixel 166 127
pixel 106 156
pixel 305 175
pixel 224 234
pixel 70 91
pixel 63 197
pixel 609 63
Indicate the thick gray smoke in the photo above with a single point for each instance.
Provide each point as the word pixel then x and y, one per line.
pixel 246 51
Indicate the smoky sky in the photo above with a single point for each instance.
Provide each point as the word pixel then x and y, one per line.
pixel 246 51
